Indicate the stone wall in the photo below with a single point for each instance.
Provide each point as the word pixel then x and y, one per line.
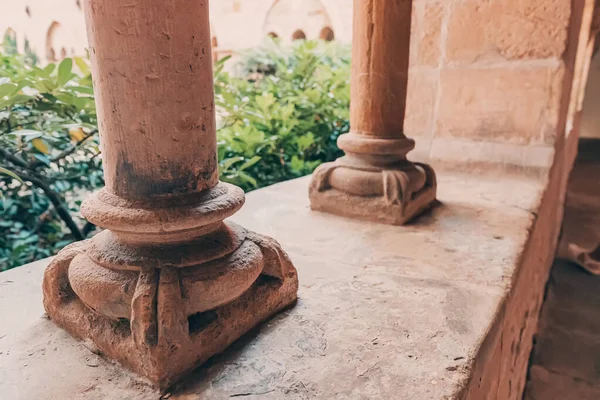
pixel 487 79
pixel 501 366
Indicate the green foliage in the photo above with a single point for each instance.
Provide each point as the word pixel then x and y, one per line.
pixel 278 119
pixel 283 118
pixel 48 156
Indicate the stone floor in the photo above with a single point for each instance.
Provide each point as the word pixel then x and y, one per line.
pixel 565 363
pixel 384 312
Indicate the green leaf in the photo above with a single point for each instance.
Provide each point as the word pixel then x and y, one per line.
pixel 42 158
pixel 220 64
pixel 82 65
pixel 44 85
pixel 10 173
pixel 305 141
pixel 249 163
pixel 296 164
pixel 16 99
pixel 226 164
pixel 247 178
pixel 64 71
pixel 81 89
pixel 66 98
pixel 29 133
pixel 24 83
pixel 7 89
pixel 49 69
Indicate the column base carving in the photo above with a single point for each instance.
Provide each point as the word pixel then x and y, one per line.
pixel 163 309
pixel 373 188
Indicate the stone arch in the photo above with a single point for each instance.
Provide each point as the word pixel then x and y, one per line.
pixel 299 35
pixel 214 44
pixel 9 36
pixel 327 34
pixel 54 49
pixel 340 19
pixel 288 17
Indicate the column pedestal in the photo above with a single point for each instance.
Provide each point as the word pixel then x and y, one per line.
pixel 374 182
pixel 162 310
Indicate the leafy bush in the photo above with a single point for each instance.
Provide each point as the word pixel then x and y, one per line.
pixel 48 140
pixel 282 120
pixel 278 119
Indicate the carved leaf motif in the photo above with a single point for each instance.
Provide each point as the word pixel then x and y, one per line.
pixel 56 285
pixel 395 187
pixel 143 310
pixel 172 322
pixel 321 176
pixel 276 261
pixel 429 174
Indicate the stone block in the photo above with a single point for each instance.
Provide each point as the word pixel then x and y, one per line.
pixel 516 106
pixel 420 105
pixel 498 30
pixel 426 33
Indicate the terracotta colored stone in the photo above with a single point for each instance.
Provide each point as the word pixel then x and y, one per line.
pixel 518 105
pixel 498 30
pixel 420 106
pixel 167 284
pixel 374 180
pixel 427 21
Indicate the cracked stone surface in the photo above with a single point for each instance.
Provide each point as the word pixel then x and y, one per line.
pixel 384 311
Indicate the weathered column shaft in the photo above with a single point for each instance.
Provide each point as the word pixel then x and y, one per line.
pixel 380 50
pixel 374 181
pixel 168 283
pixel 152 69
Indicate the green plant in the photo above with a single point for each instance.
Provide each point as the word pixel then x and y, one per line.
pixel 282 119
pixel 48 156
pixel 278 119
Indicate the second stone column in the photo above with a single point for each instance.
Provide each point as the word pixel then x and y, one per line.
pixel 374 180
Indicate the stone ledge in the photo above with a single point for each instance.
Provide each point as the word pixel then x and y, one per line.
pixel 384 311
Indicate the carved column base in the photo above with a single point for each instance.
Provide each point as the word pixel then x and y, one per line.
pixel 373 188
pixel 163 309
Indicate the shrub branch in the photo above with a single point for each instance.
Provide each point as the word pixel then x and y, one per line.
pixel 62 211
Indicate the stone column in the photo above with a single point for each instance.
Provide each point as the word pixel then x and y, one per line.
pixel 167 283
pixel 374 180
